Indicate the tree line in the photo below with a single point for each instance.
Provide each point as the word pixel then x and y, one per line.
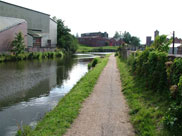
pixel 128 38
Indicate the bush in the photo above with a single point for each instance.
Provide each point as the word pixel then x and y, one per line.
pixel 176 71
pixel 59 54
pixel 18 45
pixel 150 65
pixel 93 63
pixel 173 119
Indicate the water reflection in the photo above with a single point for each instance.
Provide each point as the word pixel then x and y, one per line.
pixel 29 89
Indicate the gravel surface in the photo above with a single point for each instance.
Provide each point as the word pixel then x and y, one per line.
pixel 105 112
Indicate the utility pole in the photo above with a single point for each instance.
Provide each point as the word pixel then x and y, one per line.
pixel 173 41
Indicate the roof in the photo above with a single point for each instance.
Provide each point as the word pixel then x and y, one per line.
pixel 53 20
pixel 9 22
pixel 24 8
pixel 175 45
pixel 34 33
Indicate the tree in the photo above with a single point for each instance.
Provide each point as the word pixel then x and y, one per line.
pixel 65 40
pixel 135 41
pixel 62 30
pixel 117 35
pixel 126 36
pixel 18 45
pixel 54 18
pixel 161 43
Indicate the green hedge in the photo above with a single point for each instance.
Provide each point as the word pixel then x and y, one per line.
pixel 150 65
pixel 164 76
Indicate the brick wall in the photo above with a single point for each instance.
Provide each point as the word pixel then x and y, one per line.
pixel 7 36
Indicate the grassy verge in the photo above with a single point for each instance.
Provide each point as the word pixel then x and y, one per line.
pixel 147 107
pixel 56 122
pixel 84 48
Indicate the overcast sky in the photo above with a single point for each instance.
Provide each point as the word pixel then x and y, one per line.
pixel 139 17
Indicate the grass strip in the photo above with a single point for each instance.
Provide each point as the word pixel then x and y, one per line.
pixel 84 48
pixel 147 107
pixel 56 122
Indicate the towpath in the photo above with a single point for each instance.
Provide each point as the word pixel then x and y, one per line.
pixel 104 112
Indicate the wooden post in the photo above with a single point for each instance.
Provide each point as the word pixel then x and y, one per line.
pixel 173 41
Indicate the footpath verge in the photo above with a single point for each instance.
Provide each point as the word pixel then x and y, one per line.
pixel 57 121
pixel 147 108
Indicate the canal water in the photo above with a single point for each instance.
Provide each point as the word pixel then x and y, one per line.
pixel 29 89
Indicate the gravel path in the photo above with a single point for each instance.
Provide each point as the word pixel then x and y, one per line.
pixel 105 112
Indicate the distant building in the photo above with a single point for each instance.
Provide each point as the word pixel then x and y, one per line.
pixel 177 40
pixel 99 39
pixel 41 30
pixel 95 34
pixel 94 41
pixel 148 40
pixel 156 33
pixel 9 27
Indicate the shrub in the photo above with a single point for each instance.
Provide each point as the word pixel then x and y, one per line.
pixel 18 45
pixel 150 65
pixel 93 63
pixel 116 54
pixel 176 71
pixel 173 118
pixel 59 54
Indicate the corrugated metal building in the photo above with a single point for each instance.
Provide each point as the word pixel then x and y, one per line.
pixel 42 31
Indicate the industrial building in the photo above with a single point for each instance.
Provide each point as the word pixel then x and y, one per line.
pixel 98 39
pixel 41 29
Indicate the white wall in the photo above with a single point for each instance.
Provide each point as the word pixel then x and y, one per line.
pixel 30 41
pixel 44 39
pixel 53 33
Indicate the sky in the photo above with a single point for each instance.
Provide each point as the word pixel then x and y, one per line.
pixel 139 17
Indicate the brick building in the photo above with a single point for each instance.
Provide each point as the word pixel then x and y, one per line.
pixel 98 39
pixel 9 27
pixel 95 34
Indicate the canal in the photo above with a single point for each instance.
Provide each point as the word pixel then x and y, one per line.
pixel 29 89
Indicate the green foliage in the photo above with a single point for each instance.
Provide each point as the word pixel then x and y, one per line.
pixel 126 36
pixel 117 35
pixel 64 39
pixel 158 74
pixel 135 41
pixel 130 40
pixel 57 121
pixel 173 119
pixel 146 107
pixel 176 71
pixel 84 48
pixel 116 54
pixel 30 56
pixel 93 63
pixel 18 45
pixel 150 65
pixel 161 43
pixel 24 131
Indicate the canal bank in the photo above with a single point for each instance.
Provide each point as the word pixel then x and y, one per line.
pixel 60 118
pixel 30 56
pixel 31 88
